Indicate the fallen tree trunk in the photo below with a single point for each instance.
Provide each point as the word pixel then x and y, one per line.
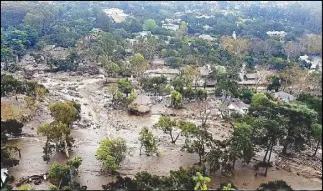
pixel 65 145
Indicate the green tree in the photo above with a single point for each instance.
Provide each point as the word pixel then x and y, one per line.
pixel 191 73
pixel 317 135
pixel 259 103
pixel 201 182
pixel 148 141
pixel 10 127
pixel 272 131
pixel 197 140
pixel 58 171
pixel 157 85
pixel 169 127
pixel 26 187
pixel 227 83
pixel 300 119
pixel 138 64
pixel 182 31
pixel 275 185
pixel 67 188
pixel 246 96
pixel 313 103
pixel 110 67
pixel 125 86
pixel 64 111
pixel 6 55
pixel 150 25
pixel 112 153
pixel 58 133
pixel 176 99
pixel 274 83
pixel 241 145
pixel 147 46
pixel 228 187
pixel 52 187
pixel 163 52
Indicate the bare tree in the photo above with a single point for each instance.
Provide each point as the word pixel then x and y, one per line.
pixel 261 76
pixel 296 80
pixel 292 49
pixel 204 109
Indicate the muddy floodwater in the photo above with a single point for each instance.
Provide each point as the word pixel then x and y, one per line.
pixel 98 122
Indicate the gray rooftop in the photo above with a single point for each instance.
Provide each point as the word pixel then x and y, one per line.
pixel 284 96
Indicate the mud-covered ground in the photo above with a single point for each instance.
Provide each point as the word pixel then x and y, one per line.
pixel 99 121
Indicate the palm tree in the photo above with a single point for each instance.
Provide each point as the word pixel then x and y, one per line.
pixel 201 181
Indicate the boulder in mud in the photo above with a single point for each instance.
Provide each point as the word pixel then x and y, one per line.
pixel 141 105
pixel 138 109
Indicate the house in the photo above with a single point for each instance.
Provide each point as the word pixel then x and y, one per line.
pixel 315 62
pixel 170 26
pixel 131 41
pixel 238 107
pixel 166 71
pixel 248 82
pixel 280 34
pixel 210 83
pixel 205 16
pixel 205 70
pixel 283 96
pixel 252 76
pixel 128 51
pixel 96 30
pixel 198 82
pixel 206 37
pixel 144 33
pixel 206 27
pixel 4 176
pixel 157 62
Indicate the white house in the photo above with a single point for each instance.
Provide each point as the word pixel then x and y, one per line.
pixel 238 107
pixel 206 37
pixel 277 33
pixel 144 33
pixel 172 27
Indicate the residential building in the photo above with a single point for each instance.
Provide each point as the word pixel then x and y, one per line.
pixel 207 27
pixel 206 37
pixel 170 26
pixel 283 96
pixel 205 70
pixel 280 34
pixel 238 107
pixel 157 62
pixel 251 76
pixel 144 33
